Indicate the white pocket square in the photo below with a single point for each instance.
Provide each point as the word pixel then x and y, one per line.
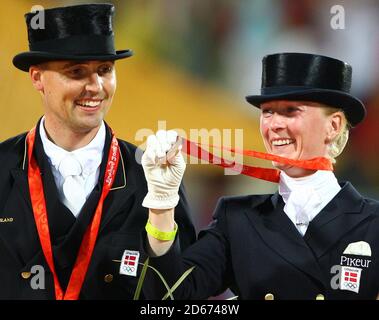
pixel 360 248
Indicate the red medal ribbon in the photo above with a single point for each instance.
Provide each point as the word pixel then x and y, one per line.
pixel 268 174
pixel 40 216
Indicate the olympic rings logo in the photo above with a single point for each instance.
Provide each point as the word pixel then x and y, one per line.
pixel 350 285
pixel 129 268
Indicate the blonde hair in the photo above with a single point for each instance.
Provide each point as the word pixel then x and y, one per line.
pixel 337 145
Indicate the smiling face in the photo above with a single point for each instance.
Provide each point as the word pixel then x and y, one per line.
pixel 297 130
pixel 76 95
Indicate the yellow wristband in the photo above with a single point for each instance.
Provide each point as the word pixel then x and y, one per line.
pixel 160 235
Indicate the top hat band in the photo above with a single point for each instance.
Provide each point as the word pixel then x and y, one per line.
pixel 77 44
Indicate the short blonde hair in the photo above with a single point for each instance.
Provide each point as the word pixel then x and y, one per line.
pixel 337 145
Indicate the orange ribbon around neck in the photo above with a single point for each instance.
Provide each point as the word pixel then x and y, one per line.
pixel 268 174
pixel 41 219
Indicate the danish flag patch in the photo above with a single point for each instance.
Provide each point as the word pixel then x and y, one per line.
pixel 129 263
pixel 350 278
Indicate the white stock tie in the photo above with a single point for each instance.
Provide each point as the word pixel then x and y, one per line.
pixel 73 185
pixel 303 202
pixel 305 197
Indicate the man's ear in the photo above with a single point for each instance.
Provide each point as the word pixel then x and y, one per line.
pixel 334 126
pixel 36 76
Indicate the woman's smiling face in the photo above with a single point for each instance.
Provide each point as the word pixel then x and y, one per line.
pixel 297 130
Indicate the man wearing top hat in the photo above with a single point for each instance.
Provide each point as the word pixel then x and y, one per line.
pixel 315 238
pixel 70 191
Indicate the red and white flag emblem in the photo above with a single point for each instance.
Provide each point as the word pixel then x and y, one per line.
pixel 350 279
pixel 129 263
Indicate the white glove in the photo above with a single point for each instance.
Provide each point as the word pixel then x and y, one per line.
pixel 163 180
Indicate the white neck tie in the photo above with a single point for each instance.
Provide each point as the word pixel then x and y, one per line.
pixel 73 185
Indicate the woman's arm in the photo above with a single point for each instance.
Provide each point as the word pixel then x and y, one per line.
pixel 164 170
pixel 164 221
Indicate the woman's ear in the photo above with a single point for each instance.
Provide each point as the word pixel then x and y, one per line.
pixel 36 76
pixel 334 126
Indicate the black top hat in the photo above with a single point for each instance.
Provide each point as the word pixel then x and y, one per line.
pixel 82 32
pixel 309 77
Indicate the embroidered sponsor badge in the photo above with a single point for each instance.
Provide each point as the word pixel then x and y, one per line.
pixel 129 263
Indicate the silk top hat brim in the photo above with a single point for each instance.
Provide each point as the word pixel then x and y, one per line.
pixel 309 77
pixel 79 33
pixel 353 108
pixel 24 60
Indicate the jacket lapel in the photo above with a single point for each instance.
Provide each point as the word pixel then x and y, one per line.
pixel 279 233
pixel 124 185
pixel 20 176
pixel 18 205
pixel 20 236
pixel 340 216
pixel 60 218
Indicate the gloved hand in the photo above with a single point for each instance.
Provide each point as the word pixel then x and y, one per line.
pixel 163 180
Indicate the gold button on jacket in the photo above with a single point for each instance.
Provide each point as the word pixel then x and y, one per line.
pixel 269 296
pixel 26 274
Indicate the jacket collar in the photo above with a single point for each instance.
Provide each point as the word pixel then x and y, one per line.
pixel 122 191
pixel 120 179
pixel 280 234
pixel 342 214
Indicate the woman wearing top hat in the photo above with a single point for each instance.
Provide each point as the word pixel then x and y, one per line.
pixel 70 192
pixel 315 238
